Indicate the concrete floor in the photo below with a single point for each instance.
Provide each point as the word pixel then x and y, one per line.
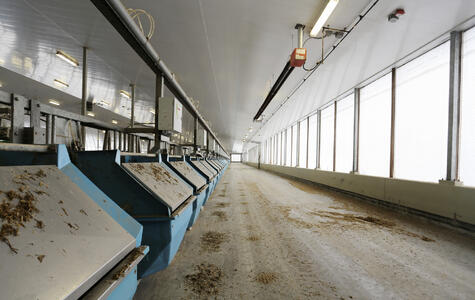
pixel 282 239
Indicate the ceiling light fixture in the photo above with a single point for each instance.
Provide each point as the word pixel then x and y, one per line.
pixel 67 58
pixel 125 94
pixel 114 122
pixel 323 17
pixel 91 114
pixel 61 83
pixel 54 102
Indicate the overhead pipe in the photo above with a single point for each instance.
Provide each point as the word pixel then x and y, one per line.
pixel 275 88
pixel 117 14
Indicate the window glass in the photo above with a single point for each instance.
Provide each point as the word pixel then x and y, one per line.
pixel 375 127
pixel 92 138
pixel 288 151
pixel 268 151
pixel 235 157
pixel 294 145
pixel 279 144
pixel 344 134
pixel 467 129
pixel 312 142
pixel 422 89
pixel 326 148
pixel 303 144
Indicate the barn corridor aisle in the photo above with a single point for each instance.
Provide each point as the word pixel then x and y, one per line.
pixel 262 236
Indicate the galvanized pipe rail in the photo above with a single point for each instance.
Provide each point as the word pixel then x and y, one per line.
pixel 117 15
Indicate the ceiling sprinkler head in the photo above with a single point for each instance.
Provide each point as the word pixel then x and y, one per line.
pixel 394 16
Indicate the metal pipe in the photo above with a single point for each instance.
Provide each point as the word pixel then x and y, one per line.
pixel 275 88
pixel 26 147
pixel 118 16
pixel 300 28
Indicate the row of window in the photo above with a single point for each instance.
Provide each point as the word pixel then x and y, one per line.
pixel 420 124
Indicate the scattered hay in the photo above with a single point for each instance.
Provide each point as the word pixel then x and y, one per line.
pixel 130 259
pixel 355 219
pixel 266 277
pixel 39 224
pixel 222 204
pixel 83 212
pixel 206 281
pixel 221 215
pixel 18 208
pixel 253 238
pixel 40 257
pixel 211 241
pixel 72 226
pixel 65 212
pixel 298 222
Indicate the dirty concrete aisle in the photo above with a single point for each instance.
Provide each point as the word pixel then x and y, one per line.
pixel 263 236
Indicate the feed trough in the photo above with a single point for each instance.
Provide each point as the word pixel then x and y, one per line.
pixel 193 178
pixel 205 170
pixel 151 193
pixel 61 236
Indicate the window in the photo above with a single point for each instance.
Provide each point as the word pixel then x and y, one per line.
pixel 303 144
pixel 279 144
pixel 235 157
pixel 467 126
pixel 375 127
pixel 422 91
pixel 312 142
pixel 268 151
pixel 326 148
pixel 288 145
pixel 294 145
pixel 344 134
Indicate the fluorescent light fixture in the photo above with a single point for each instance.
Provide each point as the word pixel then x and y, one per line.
pixel 91 114
pixel 102 102
pixel 61 83
pixel 114 122
pixel 67 58
pixel 125 94
pixel 323 17
pixel 54 102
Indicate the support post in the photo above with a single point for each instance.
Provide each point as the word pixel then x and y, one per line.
pixel 84 94
pixel 53 130
pixel 453 144
pixel 319 131
pixel 35 123
pixel 393 121
pixel 297 154
pixel 334 134
pixel 48 128
pixel 159 89
pixel 195 133
pixel 132 106
pixel 356 131
pixel 17 118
